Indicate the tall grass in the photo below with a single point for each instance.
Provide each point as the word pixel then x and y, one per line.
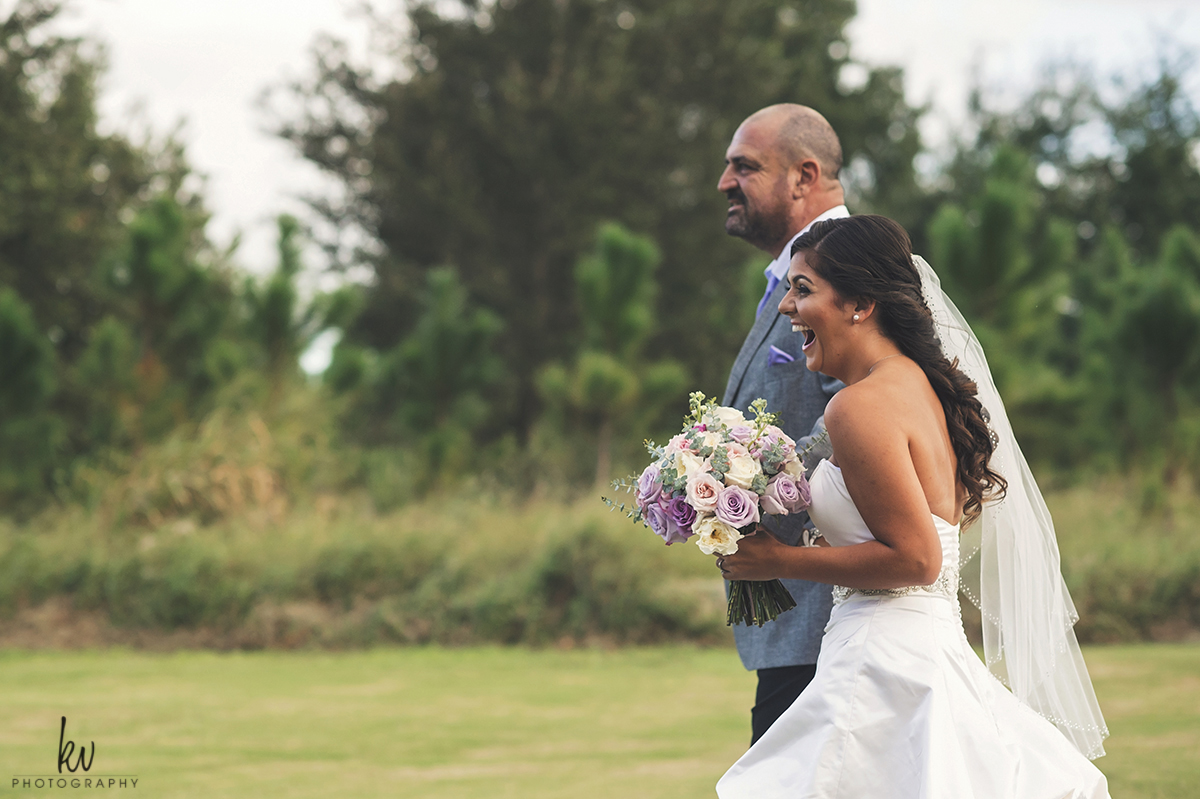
pixel 338 573
pixel 244 536
pixel 1134 577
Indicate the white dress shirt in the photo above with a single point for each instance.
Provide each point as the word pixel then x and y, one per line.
pixel 779 267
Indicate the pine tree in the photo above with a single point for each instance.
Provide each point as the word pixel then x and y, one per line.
pixel 608 384
pixel 30 436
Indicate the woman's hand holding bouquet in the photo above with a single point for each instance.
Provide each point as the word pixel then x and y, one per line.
pixel 714 482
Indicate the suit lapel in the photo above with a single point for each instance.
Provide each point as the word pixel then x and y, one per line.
pixel 762 326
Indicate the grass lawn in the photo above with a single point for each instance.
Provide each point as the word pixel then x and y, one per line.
pixel 479 722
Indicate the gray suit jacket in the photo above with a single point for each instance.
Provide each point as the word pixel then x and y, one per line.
pixel 799 397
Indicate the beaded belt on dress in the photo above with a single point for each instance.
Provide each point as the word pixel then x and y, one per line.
pixel 945 585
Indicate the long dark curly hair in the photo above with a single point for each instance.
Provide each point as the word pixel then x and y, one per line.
pixel 870 257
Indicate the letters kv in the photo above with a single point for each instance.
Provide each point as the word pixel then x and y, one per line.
pixel 66 750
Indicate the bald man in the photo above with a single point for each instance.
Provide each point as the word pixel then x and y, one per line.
pixel 781 176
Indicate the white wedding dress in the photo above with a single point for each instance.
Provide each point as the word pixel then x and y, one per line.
pixel 901 707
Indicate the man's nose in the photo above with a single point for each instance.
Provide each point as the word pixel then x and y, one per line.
pixel 726 181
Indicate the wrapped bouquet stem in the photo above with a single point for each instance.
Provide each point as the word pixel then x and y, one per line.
pixel 714 482
pixel 757 601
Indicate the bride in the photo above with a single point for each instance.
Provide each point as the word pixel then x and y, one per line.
pixel 901 706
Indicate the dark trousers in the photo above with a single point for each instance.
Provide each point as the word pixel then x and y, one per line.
pixel 777 690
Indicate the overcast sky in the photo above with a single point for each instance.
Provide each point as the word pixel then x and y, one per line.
pixel 205 63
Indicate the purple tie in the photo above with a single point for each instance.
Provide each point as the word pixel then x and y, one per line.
pixel 772 282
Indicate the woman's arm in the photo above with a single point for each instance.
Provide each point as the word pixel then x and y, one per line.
pixel 872 451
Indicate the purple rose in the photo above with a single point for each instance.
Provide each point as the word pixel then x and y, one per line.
pixel 786 495
pixel 770 437
pixel 656 519
pixel 660 520
pixel 737 507
pixel 680 511
pixel 649 489
pixel 741 433
pixel 805 491
pixel 771 505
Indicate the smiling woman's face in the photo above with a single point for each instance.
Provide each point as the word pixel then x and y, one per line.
pixel 820 313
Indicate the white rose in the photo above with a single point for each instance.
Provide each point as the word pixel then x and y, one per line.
pixel 730 417
pixel 793 468
pixel 715 537
pixel 712 439
pixel 743 468
pixel 688 464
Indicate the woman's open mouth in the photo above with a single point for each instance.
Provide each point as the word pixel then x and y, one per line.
pixel 809 335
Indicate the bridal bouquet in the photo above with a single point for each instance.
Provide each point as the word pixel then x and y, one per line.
pixel 713 482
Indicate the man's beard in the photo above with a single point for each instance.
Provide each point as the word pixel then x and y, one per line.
pixel 757 227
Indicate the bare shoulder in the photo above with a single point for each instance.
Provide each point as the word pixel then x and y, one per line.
pixel 868 402
pixel 874 415
pixel 861 418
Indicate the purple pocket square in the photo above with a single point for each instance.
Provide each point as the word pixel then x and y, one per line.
pixel 776 356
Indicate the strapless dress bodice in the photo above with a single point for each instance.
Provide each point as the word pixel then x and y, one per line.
pixel 837 518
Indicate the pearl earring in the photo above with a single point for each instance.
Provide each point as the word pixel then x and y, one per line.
pixel 856 317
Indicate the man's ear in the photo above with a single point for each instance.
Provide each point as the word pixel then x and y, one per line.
pixel 804 176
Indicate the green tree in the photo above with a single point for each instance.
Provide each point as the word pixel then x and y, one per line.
pixel 1084 244
pixel 106 383
pixel 274 321
pixel 179 312
pixel 435 387
pixel 1157 334
pixel 101 245
pixel 1122 158
pixel 608 385
pixel 63 185
pixel 982 251
pixel 283 326
pixel 30 435
pixel 518 127
pixel 1157 128
pixel 1009 267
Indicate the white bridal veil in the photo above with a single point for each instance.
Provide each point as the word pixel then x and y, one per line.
pixel 1010 565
